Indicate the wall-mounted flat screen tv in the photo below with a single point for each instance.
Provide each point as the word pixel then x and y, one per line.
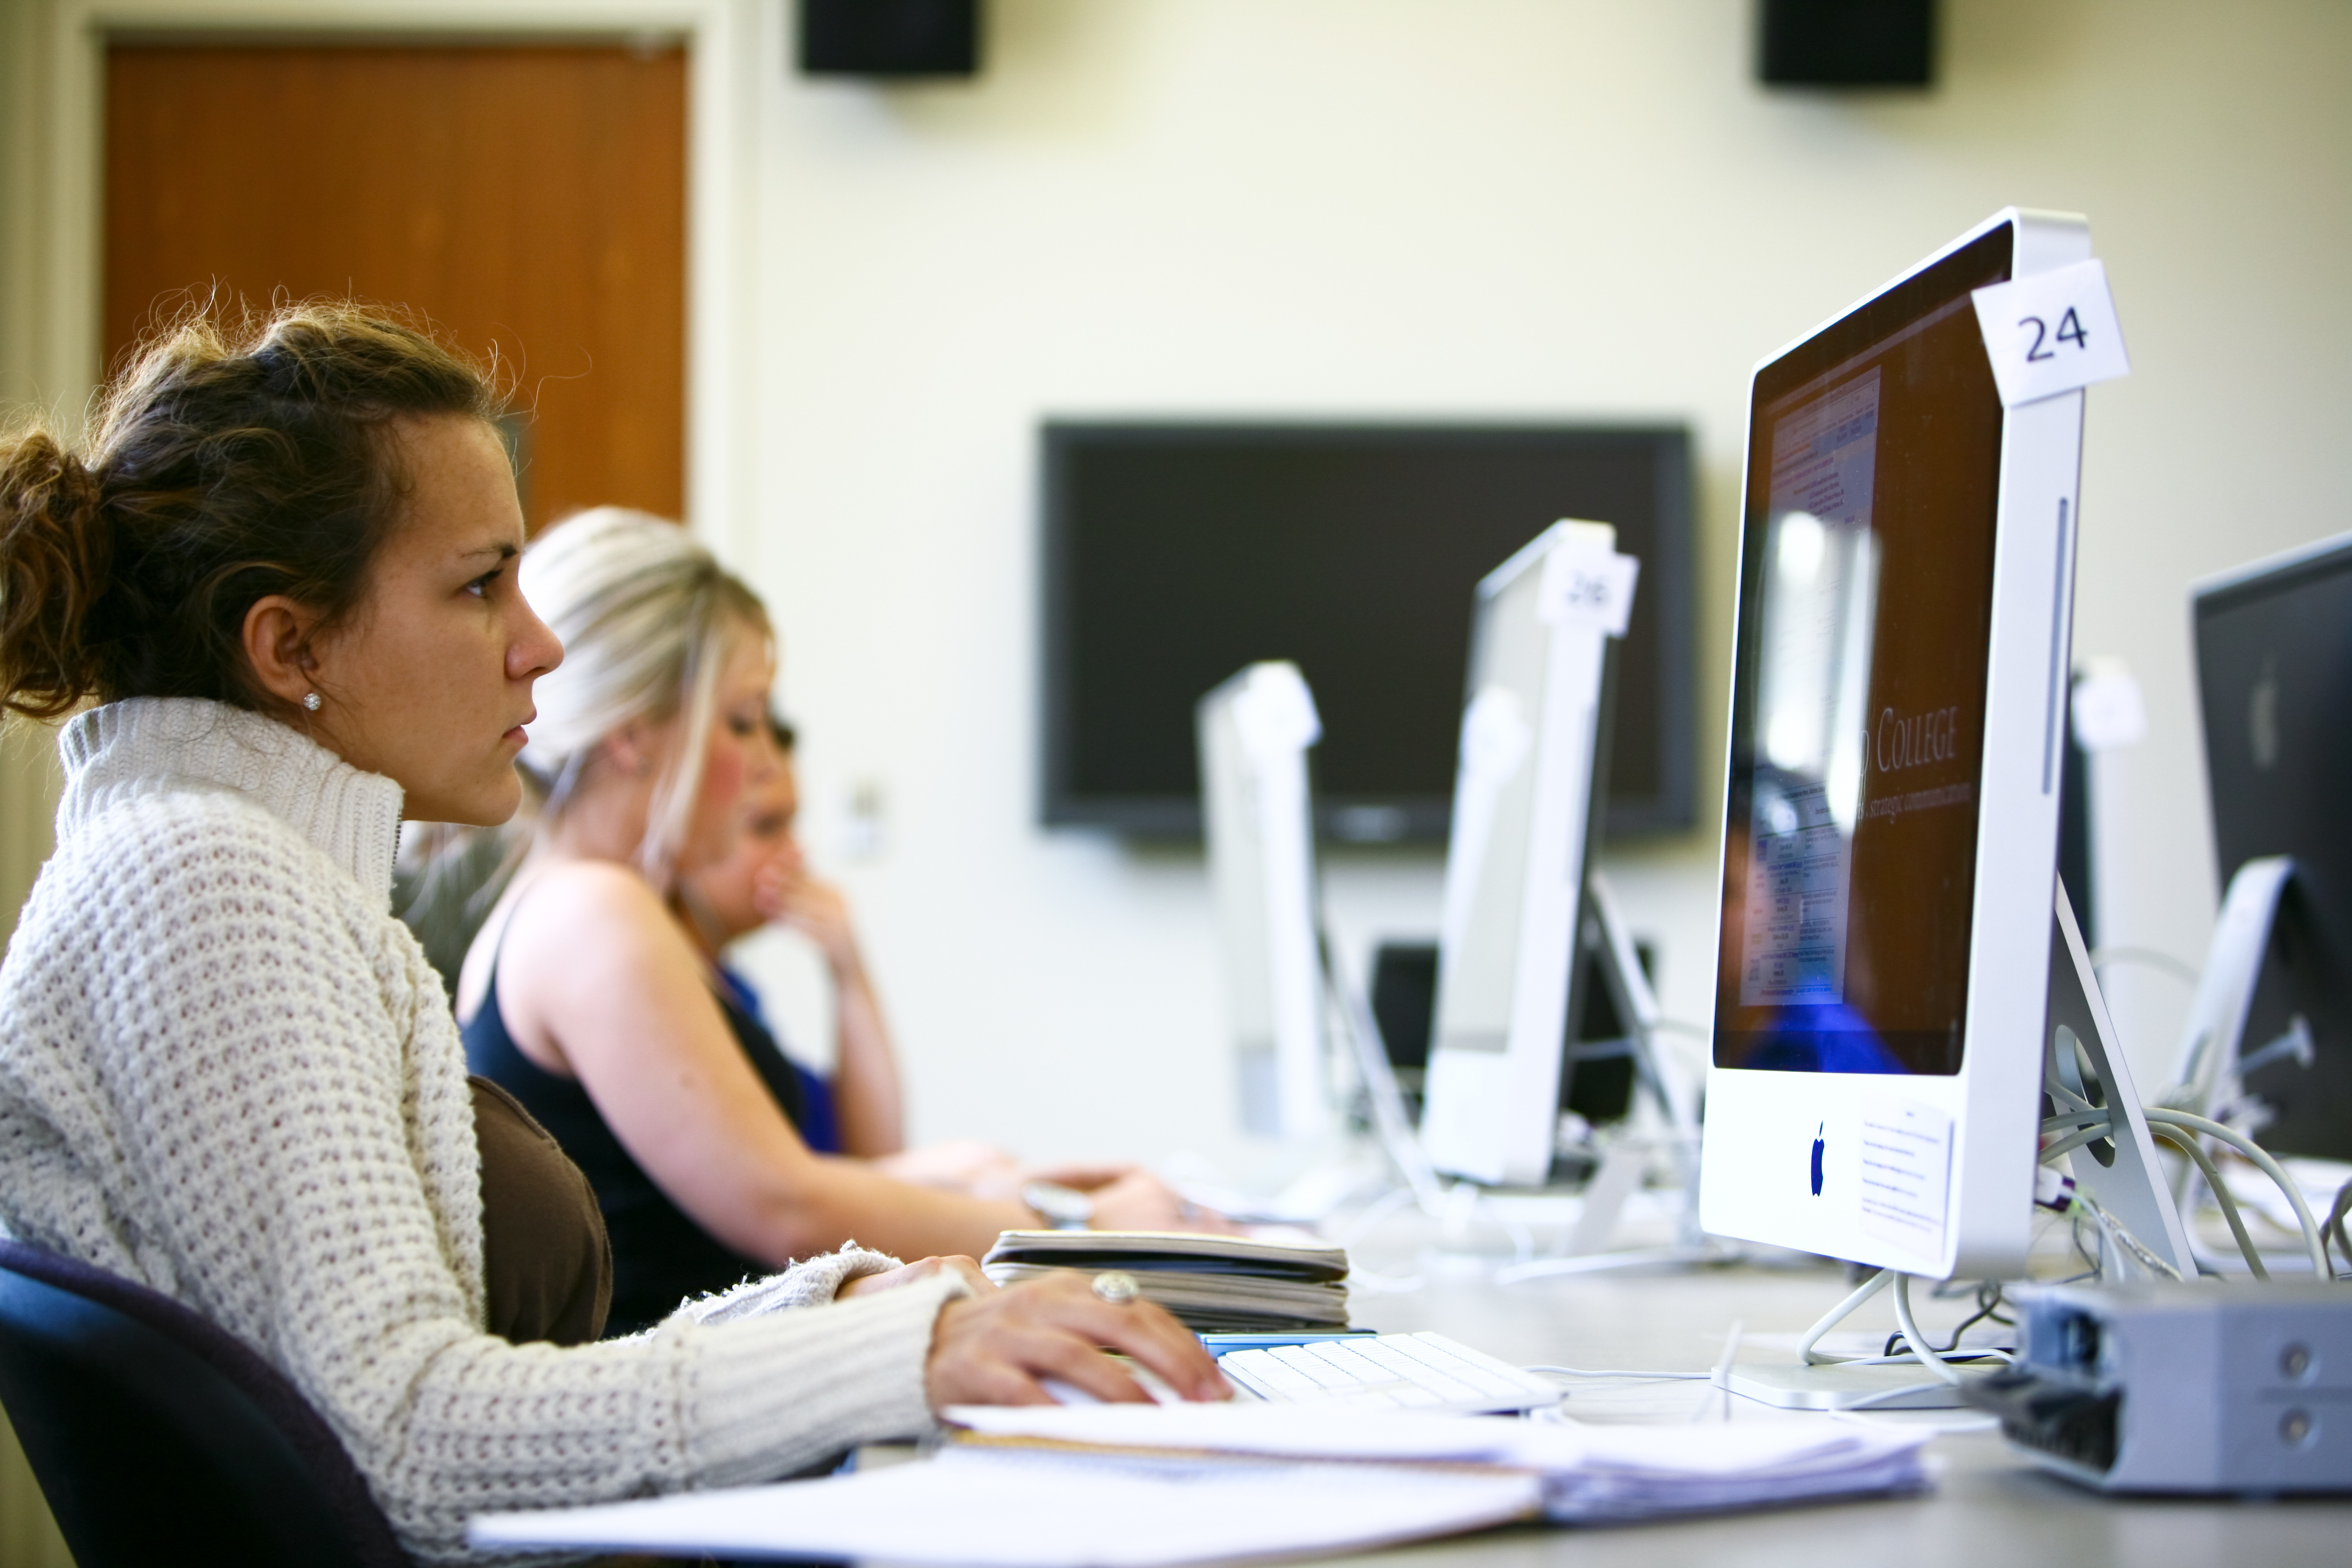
pixel 1176 553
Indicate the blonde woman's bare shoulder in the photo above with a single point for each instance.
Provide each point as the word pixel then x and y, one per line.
pixel 588 901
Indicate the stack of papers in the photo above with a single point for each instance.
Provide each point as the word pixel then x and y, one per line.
pixel 1214 1284
pixel 1124 1486
pixel 999 1507
pixel 1588 1475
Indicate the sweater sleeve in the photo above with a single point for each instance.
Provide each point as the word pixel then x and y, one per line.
pixel 808 1284
pixel 249 1040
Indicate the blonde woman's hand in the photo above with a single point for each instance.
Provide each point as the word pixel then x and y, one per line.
pixel 994 1349
pixel 787 894
pixel 1141 1201
pixel 922 1268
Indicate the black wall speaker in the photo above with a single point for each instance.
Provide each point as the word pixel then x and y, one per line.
pixel 889 38
pixel 1846 43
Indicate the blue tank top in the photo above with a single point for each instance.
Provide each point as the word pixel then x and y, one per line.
pixel 660 1256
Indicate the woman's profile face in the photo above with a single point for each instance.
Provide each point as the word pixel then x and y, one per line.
pixel 738 757
pixel 429 681
pixel 728 891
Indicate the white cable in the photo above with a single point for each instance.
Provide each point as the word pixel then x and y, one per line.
pixel 1920 1346
pixel 2086 1131
pixel 1640 1376
pixel 2269 1167
pixel 2186 1143
pixel 2064 1095
pixel 1836 1315
pixel 1905 1358
pixel 2123 1238
pixel 2077 1139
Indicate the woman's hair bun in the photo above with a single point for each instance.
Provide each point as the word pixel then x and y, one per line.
pixel 55 556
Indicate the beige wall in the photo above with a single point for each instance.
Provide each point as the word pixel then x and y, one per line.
pixel 28 1537
pixel 1396 207
pixel 27 768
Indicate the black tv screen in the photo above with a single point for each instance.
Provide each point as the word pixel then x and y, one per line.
pixel 1175 554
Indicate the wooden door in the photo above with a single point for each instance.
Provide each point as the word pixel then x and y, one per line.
pixel 530 201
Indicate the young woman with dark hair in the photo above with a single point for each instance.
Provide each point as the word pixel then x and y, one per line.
pixel 283 569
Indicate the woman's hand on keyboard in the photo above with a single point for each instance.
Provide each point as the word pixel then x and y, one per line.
pixel 993 1349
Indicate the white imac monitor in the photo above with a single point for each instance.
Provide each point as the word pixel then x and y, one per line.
pixel 1254 730
pixel 1905 607
pixel 1516 866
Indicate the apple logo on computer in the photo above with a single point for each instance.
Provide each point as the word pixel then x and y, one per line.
pixel 1819 1142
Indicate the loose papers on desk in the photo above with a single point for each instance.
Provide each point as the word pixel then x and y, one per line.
pixel 994 1507
pixel 1590 1475
pixel 1117 1486
pixel 1213 1284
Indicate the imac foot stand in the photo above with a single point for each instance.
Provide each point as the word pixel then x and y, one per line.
pixel 1829 1385
pixel 1840 1387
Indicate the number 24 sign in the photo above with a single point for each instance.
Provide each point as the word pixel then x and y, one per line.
pixel 2051 332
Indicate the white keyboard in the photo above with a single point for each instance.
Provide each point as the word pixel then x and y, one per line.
pixel 1422 1371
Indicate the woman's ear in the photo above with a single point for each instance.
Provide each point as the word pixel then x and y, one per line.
pixel 278 633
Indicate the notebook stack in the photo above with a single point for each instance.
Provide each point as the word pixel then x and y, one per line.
pixel 1214 1284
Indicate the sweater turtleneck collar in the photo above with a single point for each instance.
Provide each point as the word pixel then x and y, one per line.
pixel 132 746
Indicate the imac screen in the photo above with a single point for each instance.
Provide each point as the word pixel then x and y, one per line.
pixel 2274 680
pixel 1858 695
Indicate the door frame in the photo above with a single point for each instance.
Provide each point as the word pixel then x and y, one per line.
pixel 726 44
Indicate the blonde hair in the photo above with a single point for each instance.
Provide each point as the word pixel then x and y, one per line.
pixel 648 618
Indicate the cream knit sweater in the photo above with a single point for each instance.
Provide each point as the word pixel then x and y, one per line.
pixel 227 1071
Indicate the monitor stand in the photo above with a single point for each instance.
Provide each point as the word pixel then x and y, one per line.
pixel 2212 1056
pixel 1620 1172
pixel 1608 941
pixel 2215 1055
pixel 2120 1171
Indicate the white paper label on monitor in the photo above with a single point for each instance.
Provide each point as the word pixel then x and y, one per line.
pixel 2051 332
pixel 1906 1169
pixel 1590 588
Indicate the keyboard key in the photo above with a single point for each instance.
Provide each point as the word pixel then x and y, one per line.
pixel 1421 1371
pixel 1261 1367
pixel 1351 1365
pixel 1303 1360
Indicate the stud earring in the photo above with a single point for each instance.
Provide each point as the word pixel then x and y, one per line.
pixel 311 701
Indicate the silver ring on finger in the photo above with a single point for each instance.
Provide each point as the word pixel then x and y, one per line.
pixel 1117 1286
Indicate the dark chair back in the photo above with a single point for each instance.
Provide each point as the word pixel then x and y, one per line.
pixel 159 1437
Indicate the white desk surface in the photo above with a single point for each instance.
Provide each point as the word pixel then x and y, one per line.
pixel 1990 1507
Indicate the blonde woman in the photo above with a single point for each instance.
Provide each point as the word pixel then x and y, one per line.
pixel 586 996
pixel 277 593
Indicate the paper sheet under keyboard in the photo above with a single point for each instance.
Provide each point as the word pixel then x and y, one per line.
pixel 1041 1509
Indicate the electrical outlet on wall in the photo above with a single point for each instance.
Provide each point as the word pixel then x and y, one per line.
pixel 864 831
